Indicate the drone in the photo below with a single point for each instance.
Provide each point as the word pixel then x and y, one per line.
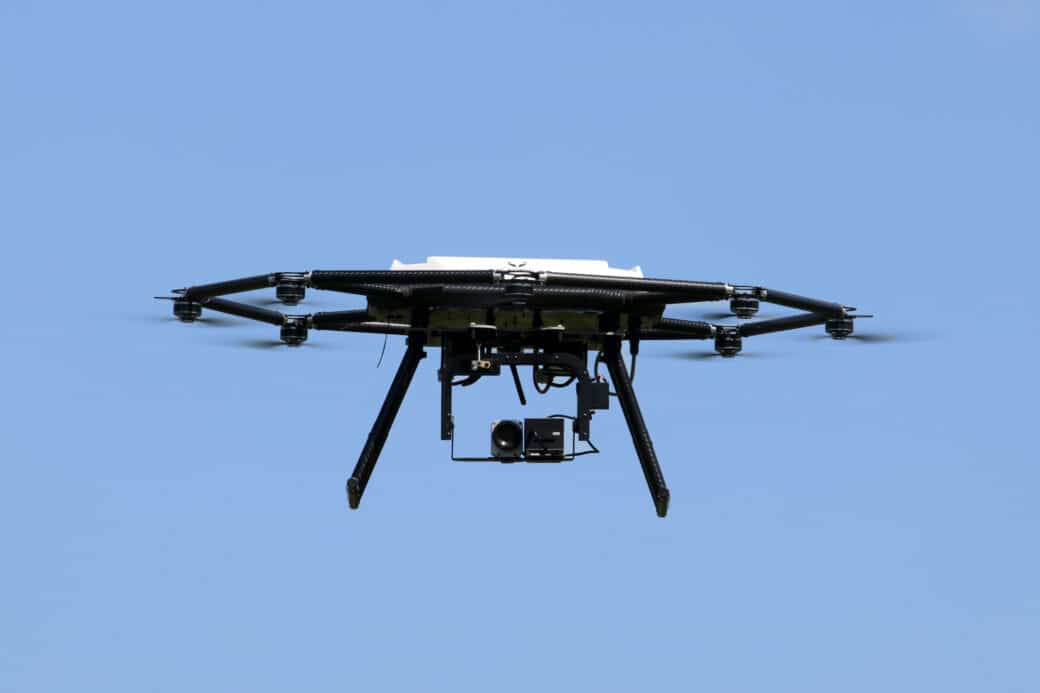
pixel 489 315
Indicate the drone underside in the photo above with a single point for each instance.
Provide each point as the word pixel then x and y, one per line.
pixel 487 314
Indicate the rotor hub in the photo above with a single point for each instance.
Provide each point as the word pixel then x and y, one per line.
pixel 727 341
pixel 294 330
pixel 519 292
pixel 839 328
pixel 187 310
pixel 744 307
pixel 290 292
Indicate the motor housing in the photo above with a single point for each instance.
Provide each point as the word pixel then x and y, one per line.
pixel 744 307
pixel 839 328
pixel 727 341
pixel 187 310
pixel 294 330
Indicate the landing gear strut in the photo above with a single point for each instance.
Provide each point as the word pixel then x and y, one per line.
pixel 636 426
pixel 387 413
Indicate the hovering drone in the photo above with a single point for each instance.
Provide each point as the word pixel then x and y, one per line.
pixel 490 314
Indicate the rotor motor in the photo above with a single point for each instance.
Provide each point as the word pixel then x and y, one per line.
pixel 839 328
pixel 294 330
pixel 186 310
pixel 290 292
pixel 727 341
pixel 744 307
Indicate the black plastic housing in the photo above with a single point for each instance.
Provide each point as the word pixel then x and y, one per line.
pixel 839 328
pixel 593 395
pixel 294 330
pixel 290 293
pixel 744 307
pixel 727 341
pixel 507 440
pixel 543 440
pixel 187 310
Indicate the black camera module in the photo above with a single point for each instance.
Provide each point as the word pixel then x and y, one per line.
pixel 507 439
pixel 543 440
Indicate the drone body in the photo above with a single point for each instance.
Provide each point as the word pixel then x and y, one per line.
pixel 490 314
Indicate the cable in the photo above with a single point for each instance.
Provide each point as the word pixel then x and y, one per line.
pixel 386 336
pixel 595 371
pixel 534 378
pixel 594 449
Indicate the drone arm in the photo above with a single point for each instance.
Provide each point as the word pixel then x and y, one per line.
pixel 244 310
pixel 355 321
pixel 681 329
pixel 233 286
pixel 337 319
pixel 813 305
pixel 695 291
pixel 793 322
pixel 340 280
pixel 375 328
pixel 368 290
pixel 661 298
pixel 662 335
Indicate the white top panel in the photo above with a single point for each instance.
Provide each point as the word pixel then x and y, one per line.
pixel 599 267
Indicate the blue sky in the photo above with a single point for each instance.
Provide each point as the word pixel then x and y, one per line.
pixel 845 516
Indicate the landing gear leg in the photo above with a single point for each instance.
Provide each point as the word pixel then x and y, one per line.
pixel 381 428
pixel 636 426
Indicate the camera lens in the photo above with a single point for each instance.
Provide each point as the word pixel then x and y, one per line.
pixel 507 436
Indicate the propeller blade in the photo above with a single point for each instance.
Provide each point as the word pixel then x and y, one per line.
pixel 272 344
pixel 265 344
pixel 877 338
pixel 712 355
pixel 871 337
pixel 208 320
